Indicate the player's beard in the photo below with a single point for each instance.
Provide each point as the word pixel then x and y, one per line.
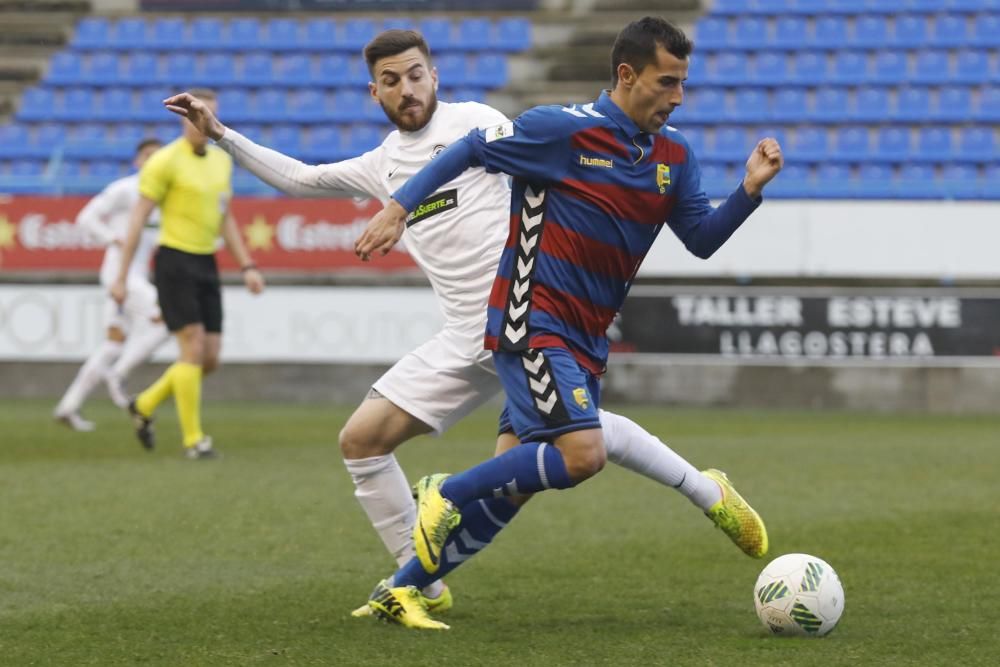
pixel 408 123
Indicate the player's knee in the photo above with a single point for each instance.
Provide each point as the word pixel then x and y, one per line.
pixel 359 442
pixel 210 364
pixel 585 461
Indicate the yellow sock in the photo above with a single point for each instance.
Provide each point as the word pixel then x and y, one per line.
pixel 187 394
pixel 147 402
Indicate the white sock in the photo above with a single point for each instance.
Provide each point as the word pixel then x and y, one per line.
pixel 139 348
pixel 91 373
pixel 632 447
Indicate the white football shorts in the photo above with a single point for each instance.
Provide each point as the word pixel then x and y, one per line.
pixel 140 306
pixel 443 380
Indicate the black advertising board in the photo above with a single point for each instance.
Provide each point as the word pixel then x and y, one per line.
pixel 821 324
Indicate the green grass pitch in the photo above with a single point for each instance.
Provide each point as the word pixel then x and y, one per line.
pixel 113 556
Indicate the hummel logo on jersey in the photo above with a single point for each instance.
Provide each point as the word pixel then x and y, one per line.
pixel 583 111
pixel 587 161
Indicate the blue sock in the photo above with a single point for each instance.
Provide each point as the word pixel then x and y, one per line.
pixel 527 468
pixel 481 521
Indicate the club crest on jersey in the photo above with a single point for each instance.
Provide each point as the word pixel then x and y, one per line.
pixel 501 131
pixel 581 397
pixel 663 177
pixel 437 150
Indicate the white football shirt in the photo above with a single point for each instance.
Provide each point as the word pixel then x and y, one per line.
pixel 106 216
pixel 456 236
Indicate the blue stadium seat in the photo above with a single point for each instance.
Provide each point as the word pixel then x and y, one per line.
pixel 758 133
pixel 307 106
pixel 830 33
pixel 64 69
pixel 452 69
pixel 971 67
pixel 140 68
pixel 293 70
pixel 129 34
pixel 101 69
pixel 917 181
pixel 954 105
pixel 325 145
pixel 106 171
pixel 356 33
pixel 892 144
pixel 114 104
pixel 950 31
pixel 474 34
pixel 790 105
pixel 179 70
pixel 698 68
pixel 234 105
pixel 124 138
pixel 14 139
pixel 703 106
pixel 696 139
pixel 363 138
pixel 795 182
pixel 769 69
pixel 809 144
pixel 810 68
pixel 748 105
pixel 148 106
pixel 464 94
pixel 438 33
pixel 242 33
pixel 850 68
pixel 258 71
pixel 870 32
pixel 511 35
pixel 890 68
pixel 874 181
pixel 933 145
pixel 931 67
pixel 93 32
pixel 731 144
pixel 990 183
pixel 286 139
pixel 925 6
pixel 398 23
pixel 216 69
pixel 320 35
pixel 986 30
pixel 78 104
pixel 49 137
pixel 831 105
pixel 348 106
pixel 166 132
pixel 488 70
pixel 773 7
pixel 750 33
pixel 960 181
pixel 870 105
pixel 732 7
pixel 835 181
pixel 27 168
pixel 843 6
pixel 37 104
pixel 206 34
pixel 910 32
pixel 988 110
pixel 270 105
pixel 912 104
pixel 167 34
pixel 731 68
pixel 280 35
pixel 977 144
pixel 87 140
pixel 790 32
pixel 851 144
pixel 330 71
pixel 712 32
pixel 357 73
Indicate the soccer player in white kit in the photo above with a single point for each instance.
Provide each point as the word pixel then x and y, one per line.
pixel 456 237
pixel 134 330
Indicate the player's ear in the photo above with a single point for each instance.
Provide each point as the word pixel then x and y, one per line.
pixel 372 90
pixel 626 75
pixel 434 77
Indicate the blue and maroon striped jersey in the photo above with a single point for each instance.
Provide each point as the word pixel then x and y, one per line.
pixel 590 193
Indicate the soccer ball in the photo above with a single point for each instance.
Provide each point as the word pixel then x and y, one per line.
pixel 799 595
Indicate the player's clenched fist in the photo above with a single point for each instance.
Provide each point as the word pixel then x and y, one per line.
pixel 763 164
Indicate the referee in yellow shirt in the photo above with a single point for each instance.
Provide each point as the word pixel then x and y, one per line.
pixel 191 182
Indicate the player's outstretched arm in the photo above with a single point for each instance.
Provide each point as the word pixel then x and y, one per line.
pixel 252 278
pixel 764 163
pixel 198 113
pixel 137 220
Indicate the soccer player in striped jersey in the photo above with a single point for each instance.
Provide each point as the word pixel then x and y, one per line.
pixel 592 187
pixel 457 239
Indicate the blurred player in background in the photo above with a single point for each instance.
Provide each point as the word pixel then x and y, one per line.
pixel 191 182
pixel 137 320
pixel 456 237
pixel 593 186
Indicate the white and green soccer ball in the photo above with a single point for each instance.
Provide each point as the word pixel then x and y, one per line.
pixel 799 595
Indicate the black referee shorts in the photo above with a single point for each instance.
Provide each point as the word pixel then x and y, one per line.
pixel 188 288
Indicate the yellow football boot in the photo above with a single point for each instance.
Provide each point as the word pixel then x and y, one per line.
pixel 443 602
pixel 403 605
pixel 736 518
pixel 436 518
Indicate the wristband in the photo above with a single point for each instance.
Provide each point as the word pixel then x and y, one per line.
pixel 248 267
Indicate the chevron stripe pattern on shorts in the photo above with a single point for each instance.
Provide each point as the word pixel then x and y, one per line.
pixel 542 386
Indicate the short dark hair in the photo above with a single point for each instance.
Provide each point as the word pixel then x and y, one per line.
pixel 636 44
pixel 391 43
pixel 146 143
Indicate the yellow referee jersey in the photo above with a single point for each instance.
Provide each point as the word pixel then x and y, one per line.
pixel 192 191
